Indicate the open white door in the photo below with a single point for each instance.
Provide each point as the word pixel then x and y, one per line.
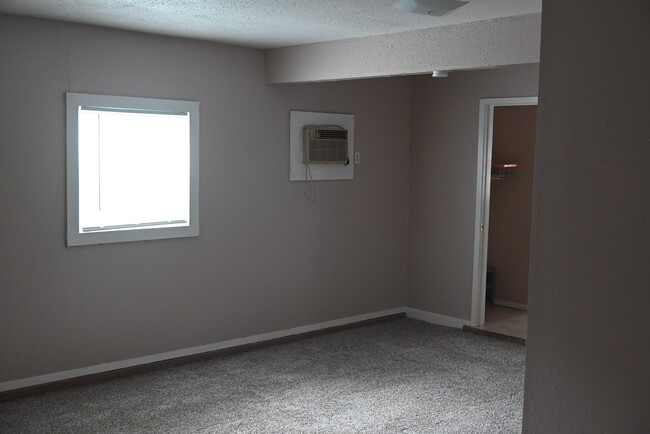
pixel 482 210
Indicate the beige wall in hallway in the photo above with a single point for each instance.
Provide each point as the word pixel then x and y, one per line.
pixel 589 296
pixel 511 202
pixel 444 143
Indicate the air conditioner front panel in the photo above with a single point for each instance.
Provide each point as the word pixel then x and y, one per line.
pixel 325 145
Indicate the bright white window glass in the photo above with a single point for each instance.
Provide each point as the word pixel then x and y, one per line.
pixel 132 169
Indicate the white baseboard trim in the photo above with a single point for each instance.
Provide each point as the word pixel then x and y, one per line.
pixel 120 364
pixel 436 318
pixel 505 303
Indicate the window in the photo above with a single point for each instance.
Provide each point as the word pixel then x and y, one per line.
pixel 133 170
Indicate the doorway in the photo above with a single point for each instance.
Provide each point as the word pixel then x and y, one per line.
pixel 503 195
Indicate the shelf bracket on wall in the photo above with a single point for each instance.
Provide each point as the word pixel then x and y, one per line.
pixel 502 170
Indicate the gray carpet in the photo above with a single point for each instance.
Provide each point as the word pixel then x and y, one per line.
pixel 402 376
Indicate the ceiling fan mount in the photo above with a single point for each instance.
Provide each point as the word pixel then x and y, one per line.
pixel 435 8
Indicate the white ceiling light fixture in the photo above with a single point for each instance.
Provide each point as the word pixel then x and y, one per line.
pixel 435 8
pixel 439 74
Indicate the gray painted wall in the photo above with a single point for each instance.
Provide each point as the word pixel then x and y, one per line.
pixel 588 333
pixel 266 259
pixel 444 140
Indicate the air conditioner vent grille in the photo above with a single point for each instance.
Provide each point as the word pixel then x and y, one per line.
pixel 332 134
pixel 327 145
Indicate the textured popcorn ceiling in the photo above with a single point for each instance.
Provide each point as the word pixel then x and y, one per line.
pixel 261 23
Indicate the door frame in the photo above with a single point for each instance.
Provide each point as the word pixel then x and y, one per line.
pixel 482 209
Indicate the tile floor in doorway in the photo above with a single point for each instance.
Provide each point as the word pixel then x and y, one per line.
pixel 505 321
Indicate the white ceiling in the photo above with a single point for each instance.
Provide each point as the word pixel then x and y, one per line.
pixel 262 23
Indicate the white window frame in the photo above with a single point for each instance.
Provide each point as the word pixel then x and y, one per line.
pixel 73 103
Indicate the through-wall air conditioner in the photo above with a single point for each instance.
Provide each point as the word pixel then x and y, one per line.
pixel 325 144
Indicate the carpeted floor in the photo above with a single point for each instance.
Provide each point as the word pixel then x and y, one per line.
pixel 403 376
